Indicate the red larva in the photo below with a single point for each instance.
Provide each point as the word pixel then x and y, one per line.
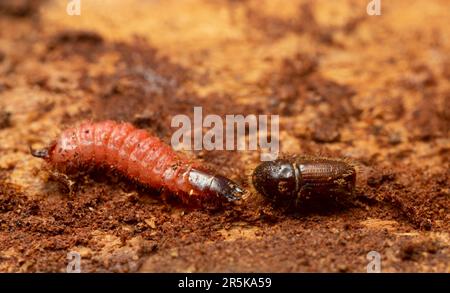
pixel 139 156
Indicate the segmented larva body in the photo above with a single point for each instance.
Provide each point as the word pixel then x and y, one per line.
pixel 299 177
pixel 139 156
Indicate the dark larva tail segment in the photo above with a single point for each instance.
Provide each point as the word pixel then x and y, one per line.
pixel 139 156
pixel 293 179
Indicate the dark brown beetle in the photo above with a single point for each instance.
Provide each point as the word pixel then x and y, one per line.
pixel 297 178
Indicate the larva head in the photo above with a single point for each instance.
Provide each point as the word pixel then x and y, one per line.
pixel 275 179
pixel 45 153
pixel 41 153
pixel 50 155
pixel 215 186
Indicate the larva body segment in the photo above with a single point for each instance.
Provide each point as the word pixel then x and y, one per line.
pixel 101 141
pixel 300 177
pixel 140 157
